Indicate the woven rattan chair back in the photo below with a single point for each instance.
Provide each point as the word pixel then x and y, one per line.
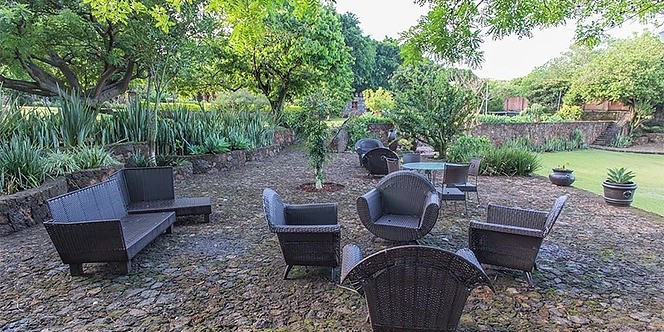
pixel 455 173
pixel 474 168
pixel 554 213
pixel 392 164
pixel 411 288
pixel 404 192
pixel 374 160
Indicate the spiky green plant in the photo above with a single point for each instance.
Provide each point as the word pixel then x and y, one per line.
pixel 60 163
pixel 138 160
pixel 78 120
pixel 619 175
pixel 22 164
pixel 88 157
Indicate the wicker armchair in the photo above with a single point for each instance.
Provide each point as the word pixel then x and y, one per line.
pixel 365 145
pixel 404 206
pixel 413 288
pixel 511 237
pixel 374 160
pixel 466 186
pixel 308 233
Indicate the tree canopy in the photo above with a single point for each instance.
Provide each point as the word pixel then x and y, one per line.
pixel 54 47
pixel 453 31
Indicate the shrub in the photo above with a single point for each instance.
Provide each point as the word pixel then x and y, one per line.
pixel 378 101
pixel 622 141
pixel 77 121
pixel 510 162
pixel 242 100
pixel 88 157
pixel 317 135
pixel 570 112
pixel 60 163
pixel 491 118
pixel 466 147
pixel 138 160
pixel 21 164
pixel 358 127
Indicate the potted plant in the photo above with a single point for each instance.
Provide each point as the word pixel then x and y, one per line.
pixel 619 187
pixel 562 175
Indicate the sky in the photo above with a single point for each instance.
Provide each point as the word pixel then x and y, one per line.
pixel 504 59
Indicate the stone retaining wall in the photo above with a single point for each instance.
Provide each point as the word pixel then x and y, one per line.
pixel 539 132
pixel 27 208
pixel 212 163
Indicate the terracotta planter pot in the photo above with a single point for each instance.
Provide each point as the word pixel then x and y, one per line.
pixel 619 194
pixel 562 177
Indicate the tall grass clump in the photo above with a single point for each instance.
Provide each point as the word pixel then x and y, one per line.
pixel 78 121
pixel 21 164
pixel 92 157
pixel 509 161
pixel 466 147
pixel 60 163
pixel 10 116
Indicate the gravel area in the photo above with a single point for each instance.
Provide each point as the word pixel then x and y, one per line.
pixel 599 269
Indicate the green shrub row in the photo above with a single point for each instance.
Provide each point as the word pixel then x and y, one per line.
pixel 24 165
pixel 490 118
pixel 495 161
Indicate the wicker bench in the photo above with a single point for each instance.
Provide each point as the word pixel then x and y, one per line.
pixel 150 189
pixel 92 225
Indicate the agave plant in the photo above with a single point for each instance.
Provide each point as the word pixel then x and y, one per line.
pixel 88 157
pixel 22 164
pixel 60 163
pixel 78 120
pixel 619 175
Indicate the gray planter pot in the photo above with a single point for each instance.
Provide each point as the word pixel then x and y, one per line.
pixel 562 177
pixel 619 194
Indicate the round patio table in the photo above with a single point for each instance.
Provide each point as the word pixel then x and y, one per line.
pixel 429 166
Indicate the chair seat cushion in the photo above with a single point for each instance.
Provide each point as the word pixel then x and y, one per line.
pixel 181 206
pixel 399 221
pixel 451 194
pixel 465 186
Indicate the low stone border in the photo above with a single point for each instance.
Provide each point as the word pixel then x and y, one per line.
pixel 28 207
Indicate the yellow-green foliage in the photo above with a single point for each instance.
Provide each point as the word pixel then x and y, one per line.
pixel 570 112
pixel 378 101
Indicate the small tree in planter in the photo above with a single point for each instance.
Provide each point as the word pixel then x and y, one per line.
pixel 316 134
pixel 619 187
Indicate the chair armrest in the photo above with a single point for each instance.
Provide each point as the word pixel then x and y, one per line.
pixel 369 207
pixel 516 217
pixel 306 229
pixel 482 278
pixel 431 210
pixel 470 257
pixel 311 214
pixel 506 229
pixel 350 257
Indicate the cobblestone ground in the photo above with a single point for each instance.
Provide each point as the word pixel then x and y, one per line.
pixel 599 269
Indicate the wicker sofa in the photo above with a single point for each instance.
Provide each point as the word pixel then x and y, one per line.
pixel 92 225
pixel 150 189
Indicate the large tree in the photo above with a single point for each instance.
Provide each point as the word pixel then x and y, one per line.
pixel 293 51
pixel 629 70
pixel 433 103
pixel 362 49
pixel 62 47
pixel 453 30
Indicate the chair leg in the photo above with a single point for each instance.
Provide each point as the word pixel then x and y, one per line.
pixel 123 267
pixel 76 269
pixel 288 268
pixel 529 276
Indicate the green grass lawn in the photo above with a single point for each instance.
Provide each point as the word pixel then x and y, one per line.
pixel 590 170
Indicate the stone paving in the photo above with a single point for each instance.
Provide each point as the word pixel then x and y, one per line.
pixel 599 269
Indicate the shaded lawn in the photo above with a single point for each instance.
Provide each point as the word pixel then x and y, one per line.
pixel 590 167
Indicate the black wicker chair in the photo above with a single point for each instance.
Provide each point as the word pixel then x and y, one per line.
pixel 404 206
pixel 413 288
pixel 365 145
pixel 308 233
pixel 511 237
pixel 466 186
pixel 374 160
pixel 453 174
